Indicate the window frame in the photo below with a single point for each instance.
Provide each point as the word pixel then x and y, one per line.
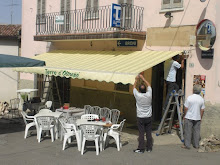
pixel 67 17
pixel 172 7
pixel 66 7
pixel 128 18
pixel 90 15
pixel 41 10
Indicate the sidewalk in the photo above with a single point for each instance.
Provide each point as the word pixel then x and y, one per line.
pixel 15 150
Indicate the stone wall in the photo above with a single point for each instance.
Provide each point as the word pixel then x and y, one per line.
pixel 211 121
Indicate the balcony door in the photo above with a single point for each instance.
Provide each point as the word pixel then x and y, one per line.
pixel 65 11
pixel 126 14
pixel 92 9
pixel 41 19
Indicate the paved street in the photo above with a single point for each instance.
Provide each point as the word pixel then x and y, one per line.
pixel 14 150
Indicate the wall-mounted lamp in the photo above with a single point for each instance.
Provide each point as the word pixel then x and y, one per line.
pixel 168 15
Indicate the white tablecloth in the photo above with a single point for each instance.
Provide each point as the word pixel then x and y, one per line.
pixel 72 111
pixel 85 122
pixel 54 114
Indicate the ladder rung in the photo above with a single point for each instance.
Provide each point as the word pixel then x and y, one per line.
pixel 168 119
pixel 170 110
pixel 166 126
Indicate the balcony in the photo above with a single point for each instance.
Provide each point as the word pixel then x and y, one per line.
pixel 92 23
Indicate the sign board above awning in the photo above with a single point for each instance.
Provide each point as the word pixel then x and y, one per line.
pixel 109 66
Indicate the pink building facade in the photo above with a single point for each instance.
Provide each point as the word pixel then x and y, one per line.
pixel 168 34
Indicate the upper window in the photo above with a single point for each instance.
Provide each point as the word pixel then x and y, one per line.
pixel 92 9
pixel 41 6
pixel 125 1
pixel 172 4
pixel 65 11
pixel 126 14
pixel 41 10
pixel 65 6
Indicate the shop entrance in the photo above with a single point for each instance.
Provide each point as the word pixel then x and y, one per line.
pixel 159 88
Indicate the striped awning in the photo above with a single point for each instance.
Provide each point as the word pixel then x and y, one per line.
pixel 109 66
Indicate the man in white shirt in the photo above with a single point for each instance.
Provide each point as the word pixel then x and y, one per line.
pixel 144 112
pixel 194 109
pixel 170 70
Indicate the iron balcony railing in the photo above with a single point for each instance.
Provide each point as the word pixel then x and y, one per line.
pixel 89 20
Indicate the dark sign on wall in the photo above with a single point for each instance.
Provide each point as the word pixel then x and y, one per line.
pixel 208 54
pixel 129 43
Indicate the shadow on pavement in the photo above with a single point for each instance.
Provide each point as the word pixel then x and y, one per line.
pixel 11 125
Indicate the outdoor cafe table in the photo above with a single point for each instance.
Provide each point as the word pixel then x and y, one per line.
pixel 72 111
pixel 86 122
pixel 26 91
pixel 56 115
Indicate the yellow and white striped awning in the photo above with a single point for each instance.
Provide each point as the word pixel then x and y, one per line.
pixel 109 66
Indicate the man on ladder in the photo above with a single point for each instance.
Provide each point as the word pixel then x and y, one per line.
pixel 170 70
pixel 173 96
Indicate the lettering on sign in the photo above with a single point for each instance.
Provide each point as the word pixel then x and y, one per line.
pixel 116 15
pixel 62 73
pixel 127 43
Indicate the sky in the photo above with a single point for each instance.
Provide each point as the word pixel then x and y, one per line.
pixel 6 8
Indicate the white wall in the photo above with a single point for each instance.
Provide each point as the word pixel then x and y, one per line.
pixel 8 78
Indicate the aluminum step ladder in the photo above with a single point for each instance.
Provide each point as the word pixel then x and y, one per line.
pixel 51 92
pixel 167 119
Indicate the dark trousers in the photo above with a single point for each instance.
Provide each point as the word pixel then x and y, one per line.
pixel 170 86
pixel 145 125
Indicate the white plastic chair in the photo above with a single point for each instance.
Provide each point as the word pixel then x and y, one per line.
pixel 45 123
pixel 89 116
pixel 105 112
pixel 90 134
pixel 29 122
pixel 114 132
pixel 48 104
pixel 69 130
pixel 44 111
pixel 95 110
pixel 115 116
pixel 14 107
pixel 87 109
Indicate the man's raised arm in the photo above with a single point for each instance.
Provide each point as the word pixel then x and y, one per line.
pixel 145 81
pixel 135 82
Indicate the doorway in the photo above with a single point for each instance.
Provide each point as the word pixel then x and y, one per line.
pixel 157 88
